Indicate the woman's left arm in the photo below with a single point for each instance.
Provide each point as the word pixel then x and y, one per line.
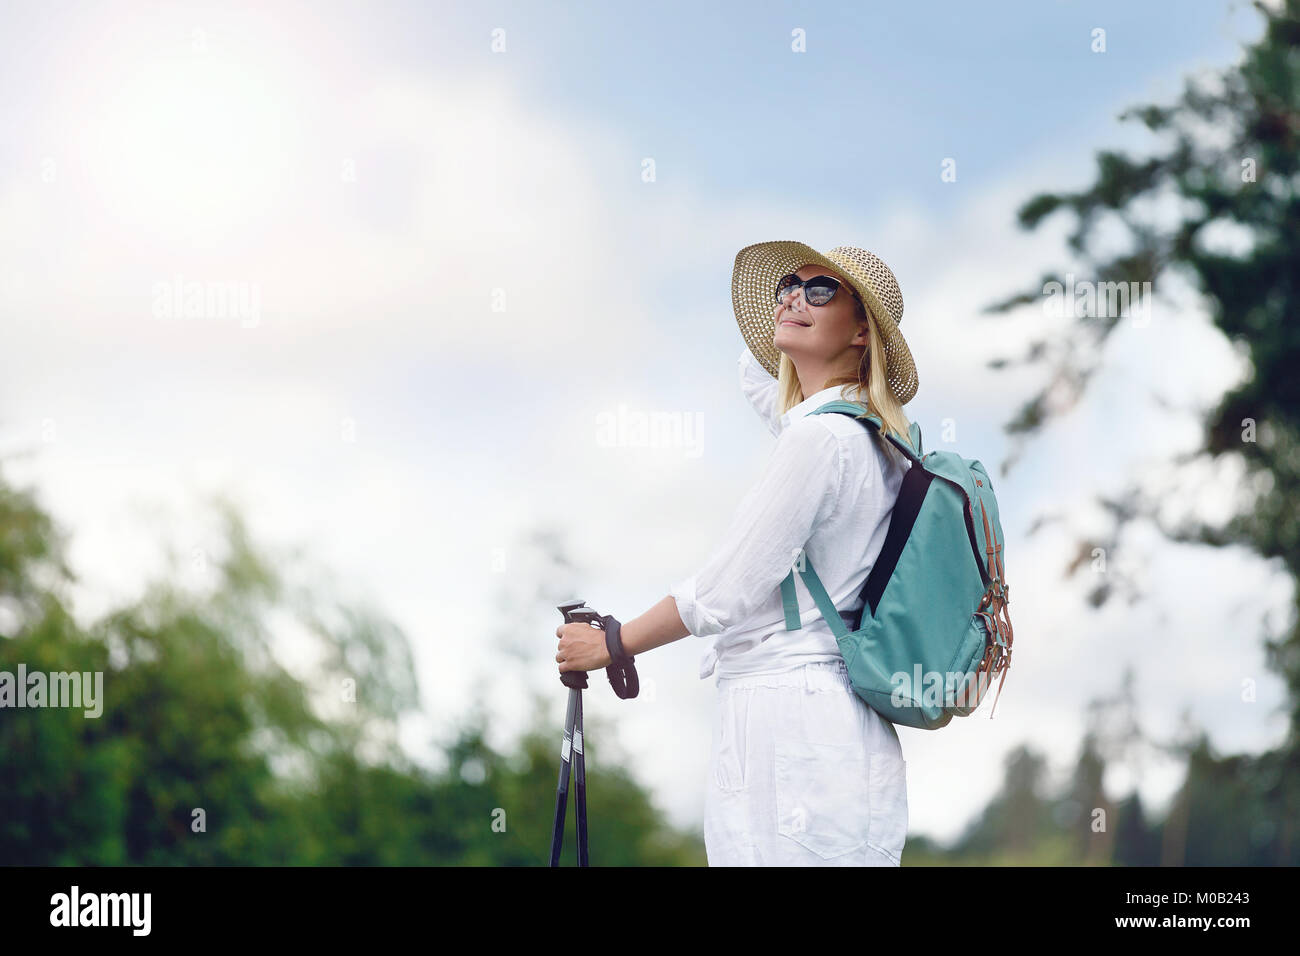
pixel 660 625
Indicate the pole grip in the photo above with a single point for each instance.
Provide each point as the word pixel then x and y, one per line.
pixel 621 671
pixel 577 611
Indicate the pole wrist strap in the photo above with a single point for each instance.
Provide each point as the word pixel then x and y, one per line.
pixel 622 672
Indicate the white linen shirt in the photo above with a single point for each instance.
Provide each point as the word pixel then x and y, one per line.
pixel 828 489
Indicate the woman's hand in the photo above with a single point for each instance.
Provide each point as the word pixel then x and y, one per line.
pixel 582 647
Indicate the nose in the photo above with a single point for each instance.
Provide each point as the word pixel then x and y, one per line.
pixel 794 295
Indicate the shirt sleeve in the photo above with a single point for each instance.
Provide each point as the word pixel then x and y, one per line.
pixel 760 388
pixel 795 494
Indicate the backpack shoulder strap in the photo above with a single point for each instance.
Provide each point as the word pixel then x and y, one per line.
pixel 854 410
pixel 789 599
pixel 790 603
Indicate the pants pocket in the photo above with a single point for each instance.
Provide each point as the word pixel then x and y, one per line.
pixel 729 744
pixel 888 789
pixel 822 795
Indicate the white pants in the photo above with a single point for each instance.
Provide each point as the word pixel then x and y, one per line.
pixel 802 772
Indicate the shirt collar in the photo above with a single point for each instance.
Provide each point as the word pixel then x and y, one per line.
pixel 811 404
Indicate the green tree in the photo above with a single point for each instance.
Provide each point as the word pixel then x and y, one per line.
pixel 1229 165
pixel 1231 162
pixel 211 751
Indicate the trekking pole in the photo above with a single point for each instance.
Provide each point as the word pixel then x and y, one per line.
pixel 623 678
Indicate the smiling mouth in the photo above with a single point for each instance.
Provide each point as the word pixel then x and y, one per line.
pixel 793 322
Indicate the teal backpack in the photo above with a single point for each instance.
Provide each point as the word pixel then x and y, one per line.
pixel 933 631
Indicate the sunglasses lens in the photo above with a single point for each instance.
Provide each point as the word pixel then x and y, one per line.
pixel 784 285
pixel 820 290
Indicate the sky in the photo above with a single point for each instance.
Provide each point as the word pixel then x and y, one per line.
pixel 437 245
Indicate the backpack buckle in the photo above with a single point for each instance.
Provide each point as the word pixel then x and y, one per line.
pixel 996 590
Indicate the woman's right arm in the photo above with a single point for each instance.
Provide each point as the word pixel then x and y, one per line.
pixel 760 388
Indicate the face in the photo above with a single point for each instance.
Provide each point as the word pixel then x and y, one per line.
pixel 819 332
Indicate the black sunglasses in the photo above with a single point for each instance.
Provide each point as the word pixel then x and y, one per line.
pixel 817 290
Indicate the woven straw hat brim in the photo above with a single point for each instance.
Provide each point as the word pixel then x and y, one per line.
pixel 753 288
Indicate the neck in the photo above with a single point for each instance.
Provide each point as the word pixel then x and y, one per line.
pixel 814 372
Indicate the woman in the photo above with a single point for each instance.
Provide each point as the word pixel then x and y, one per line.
pixel 802 770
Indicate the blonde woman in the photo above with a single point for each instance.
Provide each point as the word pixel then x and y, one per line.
pixel 802 771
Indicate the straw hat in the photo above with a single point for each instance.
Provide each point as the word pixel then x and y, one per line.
pixel 753 291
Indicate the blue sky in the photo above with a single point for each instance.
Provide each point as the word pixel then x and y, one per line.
pixel 459 268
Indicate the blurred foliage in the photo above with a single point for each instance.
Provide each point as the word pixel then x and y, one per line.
pixel 1229 810
pixel 199 715
pixel 1231 161
pixel 1218 205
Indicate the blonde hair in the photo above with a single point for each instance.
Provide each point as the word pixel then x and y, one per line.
pixel 868 387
